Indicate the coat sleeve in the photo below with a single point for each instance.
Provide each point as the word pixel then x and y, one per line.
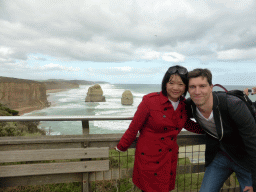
pixel 192 126
pixel 139 119
pixel 245 122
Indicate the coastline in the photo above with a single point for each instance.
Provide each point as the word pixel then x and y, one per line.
pixel 55 90
pixel 24 110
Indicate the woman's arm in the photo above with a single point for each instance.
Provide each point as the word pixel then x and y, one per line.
pixel 193 127
pixel 140 117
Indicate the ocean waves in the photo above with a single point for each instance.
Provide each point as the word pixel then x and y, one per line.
pixel 72 103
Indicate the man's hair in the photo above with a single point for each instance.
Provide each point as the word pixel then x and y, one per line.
pixel 201 73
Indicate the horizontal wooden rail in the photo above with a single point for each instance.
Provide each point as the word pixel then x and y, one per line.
pixel 93 140
pixel 50 154
pixel 53 168
pixel 63 118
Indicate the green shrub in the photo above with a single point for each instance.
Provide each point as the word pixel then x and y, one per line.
pixel 18 128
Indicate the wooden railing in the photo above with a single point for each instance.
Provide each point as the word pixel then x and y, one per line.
pixel 14 145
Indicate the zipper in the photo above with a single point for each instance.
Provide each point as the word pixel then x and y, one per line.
pixel 220 119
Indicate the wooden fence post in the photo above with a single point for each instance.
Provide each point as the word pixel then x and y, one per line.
pixel 85 124
pixel 86 184
pixel 86 130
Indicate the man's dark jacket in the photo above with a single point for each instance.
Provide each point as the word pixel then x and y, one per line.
pixel 236 130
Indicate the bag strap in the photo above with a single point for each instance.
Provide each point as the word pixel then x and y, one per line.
pixel 218 85
pixel 222 101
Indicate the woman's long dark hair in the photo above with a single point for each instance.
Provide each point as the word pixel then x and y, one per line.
pixel 184 78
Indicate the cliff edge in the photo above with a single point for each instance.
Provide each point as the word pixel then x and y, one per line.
pixel 21 93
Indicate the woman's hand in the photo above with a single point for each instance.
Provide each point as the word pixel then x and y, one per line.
pixel 117 149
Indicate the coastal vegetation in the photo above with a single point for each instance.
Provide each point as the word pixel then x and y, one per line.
pixel 17 128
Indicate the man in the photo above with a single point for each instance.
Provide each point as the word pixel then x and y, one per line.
pixel 230 135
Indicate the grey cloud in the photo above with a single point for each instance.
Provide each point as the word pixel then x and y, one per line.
pixel 104 31
pixel 121 71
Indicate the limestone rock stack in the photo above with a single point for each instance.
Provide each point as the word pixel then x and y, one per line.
pixel 95 94
pixel 127 98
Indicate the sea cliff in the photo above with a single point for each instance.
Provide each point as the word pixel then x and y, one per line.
pixel 22 95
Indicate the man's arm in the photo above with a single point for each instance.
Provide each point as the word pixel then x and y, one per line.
pixel 246 125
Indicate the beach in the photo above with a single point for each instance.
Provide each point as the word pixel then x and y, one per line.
pixel 24 110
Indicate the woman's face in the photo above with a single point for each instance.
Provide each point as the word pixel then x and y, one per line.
pixel 175 87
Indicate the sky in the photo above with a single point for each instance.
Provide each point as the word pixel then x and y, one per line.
pixel 127 41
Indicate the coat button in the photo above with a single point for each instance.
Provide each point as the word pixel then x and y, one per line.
pixel 170 150
pixel 177 128
pixel 165 128
pixel 157 162
pixel 171 173
pixel 164 116
pixel 172 138
pixel 155 174
pixel 181 116
pixel 142 153
pixel 160 150
pixel 165 109
pixel 162 138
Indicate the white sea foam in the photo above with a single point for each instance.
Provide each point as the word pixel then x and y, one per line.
pixel 138 94
pixel 112 125
pixel 72 102
pixel 54 133
pixel 73 106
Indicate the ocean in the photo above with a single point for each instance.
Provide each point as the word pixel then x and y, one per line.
pixel 72 103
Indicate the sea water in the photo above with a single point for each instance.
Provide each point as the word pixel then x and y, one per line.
pixel 72 103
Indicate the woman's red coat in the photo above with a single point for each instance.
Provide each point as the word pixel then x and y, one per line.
pixel 156 150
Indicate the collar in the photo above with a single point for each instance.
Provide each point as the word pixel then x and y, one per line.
pixel 215 101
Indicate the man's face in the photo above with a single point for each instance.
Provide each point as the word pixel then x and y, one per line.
pixel 200 91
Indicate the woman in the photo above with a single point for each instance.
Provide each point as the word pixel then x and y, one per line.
pixel 159 119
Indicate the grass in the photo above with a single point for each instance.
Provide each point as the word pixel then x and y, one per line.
pixel 120 185
pixel 184 161
pixel 62 187
pixel 126 159
pixel 187 182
